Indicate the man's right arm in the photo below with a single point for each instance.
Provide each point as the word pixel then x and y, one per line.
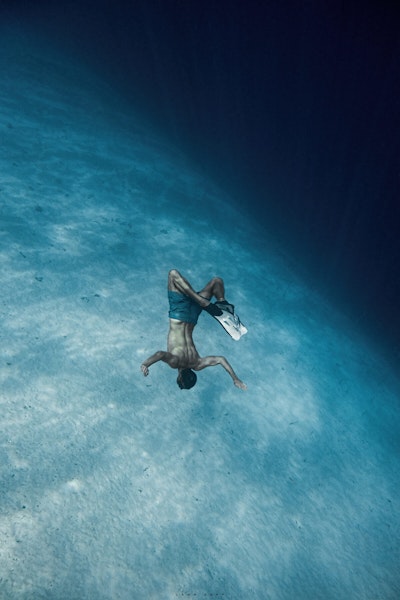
pixel 159 355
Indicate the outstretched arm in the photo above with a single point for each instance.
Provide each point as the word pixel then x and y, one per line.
pixel 211 361
pixel 159 355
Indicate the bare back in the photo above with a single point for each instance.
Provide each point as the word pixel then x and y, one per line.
pixel 180 344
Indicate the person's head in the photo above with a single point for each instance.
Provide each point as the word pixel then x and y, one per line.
pixel 186 379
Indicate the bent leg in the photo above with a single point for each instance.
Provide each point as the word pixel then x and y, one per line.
pixel 177 283
pixel 215 287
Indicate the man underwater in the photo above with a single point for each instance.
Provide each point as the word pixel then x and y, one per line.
pixel 185 306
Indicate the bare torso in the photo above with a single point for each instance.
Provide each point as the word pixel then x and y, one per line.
pixel 181 346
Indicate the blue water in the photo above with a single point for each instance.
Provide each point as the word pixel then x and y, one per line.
pixel 255 144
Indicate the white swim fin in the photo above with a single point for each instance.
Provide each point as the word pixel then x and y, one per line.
pixel 230 321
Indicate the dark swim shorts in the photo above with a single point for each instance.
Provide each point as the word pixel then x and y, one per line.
pixel 183 308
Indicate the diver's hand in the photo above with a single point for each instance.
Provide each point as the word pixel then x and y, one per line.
pixel 239 384
pixel 144 370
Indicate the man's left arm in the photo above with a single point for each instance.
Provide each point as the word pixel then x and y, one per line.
pixel 211 361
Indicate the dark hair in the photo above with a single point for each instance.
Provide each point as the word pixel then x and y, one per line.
pixel 186 379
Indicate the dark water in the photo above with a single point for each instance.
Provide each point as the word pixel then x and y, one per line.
pixel 293 108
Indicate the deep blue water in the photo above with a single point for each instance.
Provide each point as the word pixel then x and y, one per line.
pixel 291 107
